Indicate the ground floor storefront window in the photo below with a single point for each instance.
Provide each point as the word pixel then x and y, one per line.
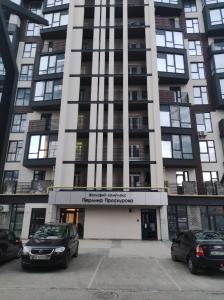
pixel 183 217
pixel 11 217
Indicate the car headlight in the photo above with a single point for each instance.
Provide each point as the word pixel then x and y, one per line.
pixel 59 249
pixel 26 250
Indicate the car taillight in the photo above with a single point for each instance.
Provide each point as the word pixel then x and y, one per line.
pixel 199 251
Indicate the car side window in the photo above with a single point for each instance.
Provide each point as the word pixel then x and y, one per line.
pixel 11 236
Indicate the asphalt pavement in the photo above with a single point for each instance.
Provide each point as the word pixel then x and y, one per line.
pixel 130 270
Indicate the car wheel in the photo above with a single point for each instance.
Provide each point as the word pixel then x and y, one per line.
pixel 191 266
pixel 19 253
pixel 76 252
pixel 66 261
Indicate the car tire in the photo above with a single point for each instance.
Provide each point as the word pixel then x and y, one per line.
pixel 76 252
pixel 191 266
pixel 66 261
pixel 173 256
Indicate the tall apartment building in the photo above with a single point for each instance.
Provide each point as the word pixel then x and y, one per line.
pixel 117 123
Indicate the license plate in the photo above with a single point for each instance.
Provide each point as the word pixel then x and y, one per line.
pixel 217 252
pixel 40 257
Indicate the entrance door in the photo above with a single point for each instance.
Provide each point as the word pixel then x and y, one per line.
pixel 74 216
pixel 149 228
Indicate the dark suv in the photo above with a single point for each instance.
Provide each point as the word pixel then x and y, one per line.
pixel 51 245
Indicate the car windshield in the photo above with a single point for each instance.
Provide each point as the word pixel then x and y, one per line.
pixel 209 235
pixel 51 232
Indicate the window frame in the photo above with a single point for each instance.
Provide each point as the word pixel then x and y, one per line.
pixel 51 95
pixel 50 64
pixel 207 152
pixel 200 73
pixel 194 28
pixel 21 123
pixel 180 148
pixel 196 50
pixel 201 92
pixel 164 57
pixel 44 150
pixel 17 153
pixel 30 53
pixel 26 93
pixel 28 75
pixel 204 121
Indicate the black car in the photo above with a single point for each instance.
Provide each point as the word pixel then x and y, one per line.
pixel 10 245
pixel 199 249
pixel 51 245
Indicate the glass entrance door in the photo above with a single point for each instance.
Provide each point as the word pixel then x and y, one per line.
pixel 74 216
pixel 149 226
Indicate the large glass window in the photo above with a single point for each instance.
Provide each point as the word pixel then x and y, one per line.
pixel 51 64
pixel 175 116
pixel 221 82
pixel 192 26
pixel 171 63
pixel 26 72
pixel 197 71
pixel 204 122
pixel 217 16
pixel 22 97
pixel 48 90
pixel 195 48
pixel 219 63
pixel 52 3
pixel 19 123
pixel 200 95
pixel 213 1
pixel 177 147
pixel 210 176
pixel 42 146
pixel 171 39
pixel 2 68
pixel 33 29
pixel 190 6
pixel 29 50
pixel 15 151
pixel 207 151
pixel 57 19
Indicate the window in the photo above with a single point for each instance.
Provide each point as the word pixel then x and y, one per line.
pixel 195 48
pixel 221 82
pixel 11 175
pixel 15 151
pixel 219 63
pixel 175 116
pixel 210 176
pixel 207 151
pixel 177 147
pixel 171 63
pixel 29 50
pixel 51 3
pixel 197 71
pixel 168 1
pixel 135 179
pixel 26 72
pixel 57 19
pixel 213 1
pixel 192 26
pixel 23 97
pixel 135 122
pixel 134 152
pixel 39 175
pixel 171 39
pixel 200 95
pixel 181 176
pixel 217 16
pixel 18 123
pixel 36 8
pixel 204 122
pixel 10 179
pixel 190 6
pixel 42 146
pixel 2 68
pixel 48 90
pixel 33 29
pixel 51 64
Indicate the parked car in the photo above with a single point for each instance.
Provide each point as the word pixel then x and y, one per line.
pixel 51 245
pixel 10 245
pixel 199 249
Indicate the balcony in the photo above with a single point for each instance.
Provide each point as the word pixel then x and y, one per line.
pixel 167 96
pixel 213 19
pixel 33 187
pixel 190 188
pixel 168 7
pixel 40 126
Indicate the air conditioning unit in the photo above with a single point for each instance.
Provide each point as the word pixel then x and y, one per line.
pixel 4 208
pixel 202 134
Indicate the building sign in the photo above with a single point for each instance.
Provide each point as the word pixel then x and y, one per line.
pixel 105 198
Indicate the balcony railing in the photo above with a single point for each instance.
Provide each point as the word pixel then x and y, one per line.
pixel 190 188
pixel 33 187
pixel 43 125
pixel 172 96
